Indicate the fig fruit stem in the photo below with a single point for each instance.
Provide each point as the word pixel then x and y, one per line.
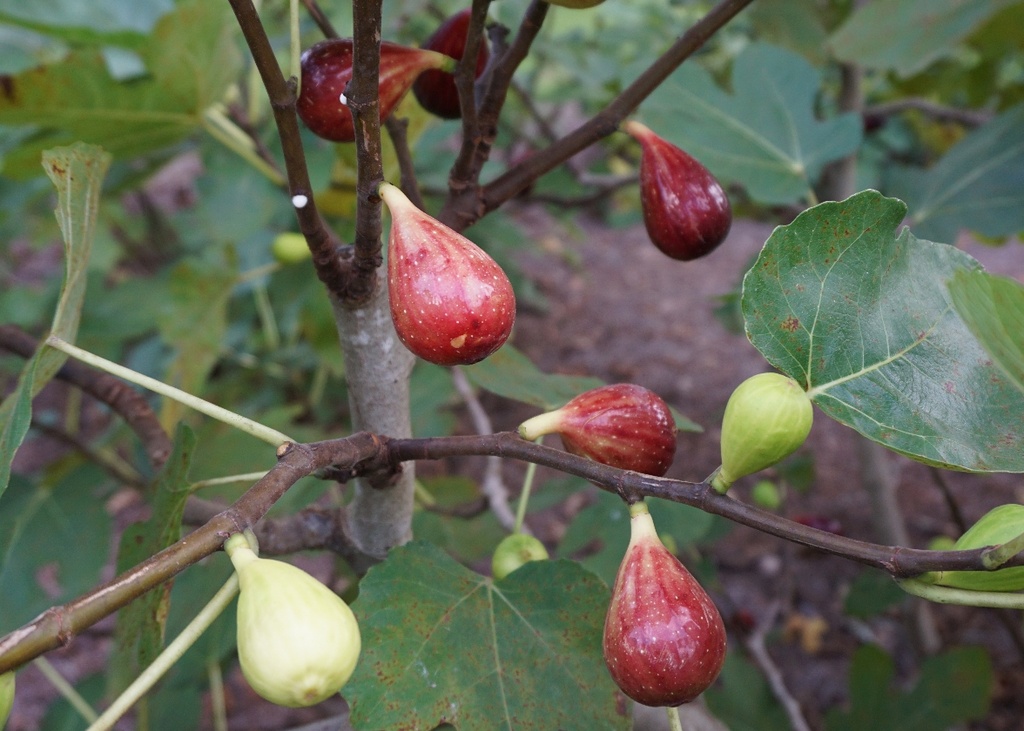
pixel 66 690
pixel 537 426
pixel 219 126
pixel 253 428
pixel 171 654
pixel 996 557
pixel 674 722
pixel 524 495
pixel 921 587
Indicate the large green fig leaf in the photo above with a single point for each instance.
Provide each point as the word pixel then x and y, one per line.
pixel 861 316
pixel 54 541
pixel 100 21
pixel 765 135
pixel 978 185
pixel 191 59
pixel 993 308
pixel 906 36
pixel 510 373
pixel 444 644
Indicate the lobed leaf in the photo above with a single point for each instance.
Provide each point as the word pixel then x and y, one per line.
pixel 191 60
pixel 765 135
pixel 860 316
pixel 877 35
pixel 978 185
pixel 522 653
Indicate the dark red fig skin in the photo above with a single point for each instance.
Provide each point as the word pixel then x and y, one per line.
pixel 686 210
pixel 664 640
pixel 451 303
pixel 435 90
pixel 622 425
pixel 327 70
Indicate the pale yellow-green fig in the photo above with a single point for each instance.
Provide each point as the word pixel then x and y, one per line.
pixel 767 417
pixel 997 526
pixel 298 642
pixel 6 696
pixel 514 551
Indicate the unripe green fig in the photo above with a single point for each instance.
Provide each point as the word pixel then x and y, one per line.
pixel 290 248
pixel 298 642
pixel 6 696
pixel 997 526
pixel 766 494
pixel 515 551
pixel 767 417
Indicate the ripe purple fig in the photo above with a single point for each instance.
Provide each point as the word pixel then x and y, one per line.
pixel 327 69
pixel 622 425
pixel 451 303
pixel 664 640
pixel 435 89
pixel 686 211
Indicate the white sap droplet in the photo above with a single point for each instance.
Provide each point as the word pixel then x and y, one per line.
pixel 343 99
pixel 299 200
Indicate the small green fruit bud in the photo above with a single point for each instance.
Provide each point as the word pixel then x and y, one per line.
pixel 298 642
pixel 997 526
pixel 514 551
pixel 767 417
pixel 766 495
pixel 6 696
pixel 290 248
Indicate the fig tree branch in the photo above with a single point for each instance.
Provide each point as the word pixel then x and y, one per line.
pixel 939 112
pixel 398 132
pixel 463 206
pixel 506 186
pixel 632 486
pixel 320 18
pixel 333 269
pixel 365 452
pixel 364 103
pixel 58 625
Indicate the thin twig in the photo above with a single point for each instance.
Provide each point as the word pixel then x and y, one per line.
pixel 347 282
pixel 479 132
pixel 120 470
pixel 493 484
pixel 607 121
pixel 320 18
pixel 947 493
pixel 754 644
pixel 397 131
pixel 941 112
